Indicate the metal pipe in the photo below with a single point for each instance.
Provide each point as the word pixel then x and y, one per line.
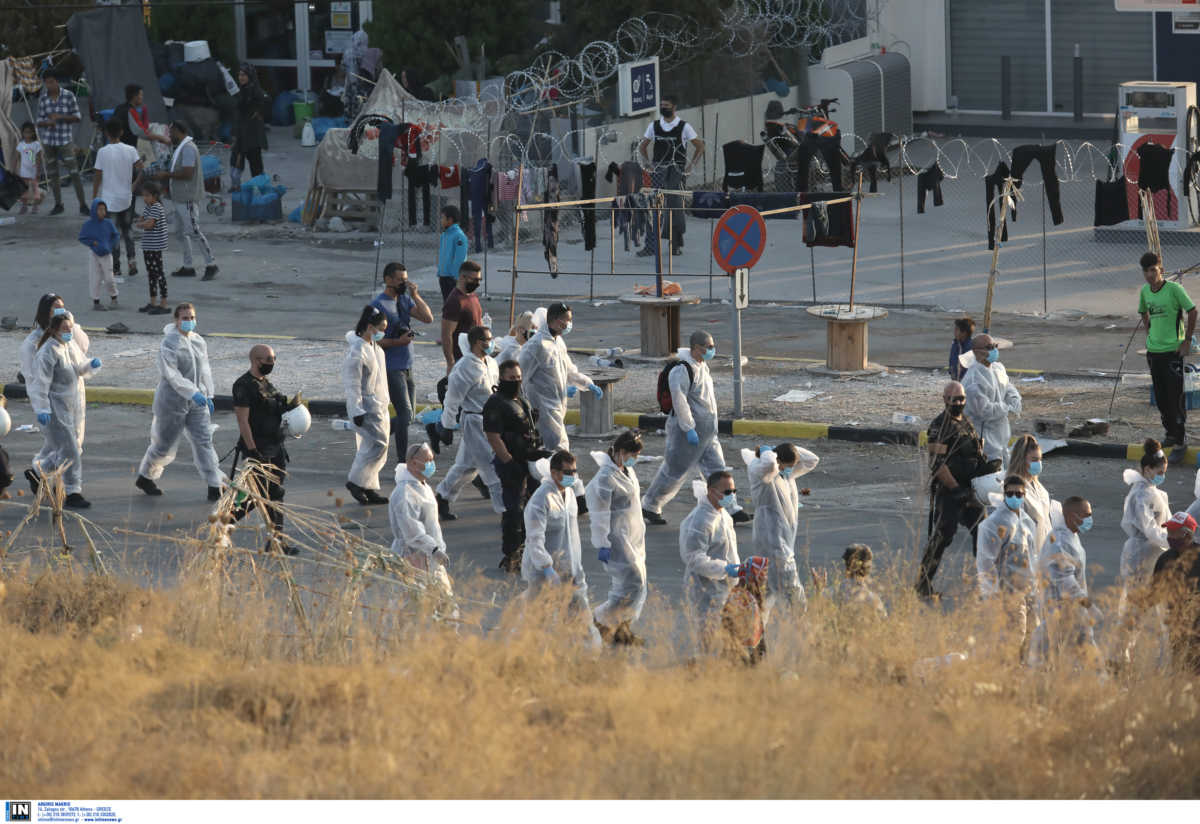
pixel 1077 83
pixel 1006 87
pixel 512 296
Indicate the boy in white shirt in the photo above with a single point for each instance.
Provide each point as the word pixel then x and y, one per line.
pixel 117 164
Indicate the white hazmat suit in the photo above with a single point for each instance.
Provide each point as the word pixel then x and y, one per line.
pixel 416 532
pixel 776 517
pixel 552 541
pixel 55 390
pixel 468 388
pixel 546 372
pixel 183 371
pixel 1003 566
pixel 695 409
pixel 615 510
pixel 991 398
pixel 707 543
pixel 1146 510
pixel 1062 569
pixel 364 378
pixel 510 349
pixel 79 346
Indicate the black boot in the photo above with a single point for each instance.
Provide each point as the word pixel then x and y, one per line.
pixel 149 487
pixel 478 483
pixel 76 501
pixel 214 493
pixel 444 513
pixel 357 492
pixel 435 441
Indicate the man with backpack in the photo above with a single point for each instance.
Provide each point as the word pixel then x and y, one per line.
pixel 685 393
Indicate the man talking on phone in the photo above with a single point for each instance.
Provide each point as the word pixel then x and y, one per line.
pixel 402 304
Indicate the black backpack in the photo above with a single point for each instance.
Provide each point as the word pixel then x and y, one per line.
pixel 665 402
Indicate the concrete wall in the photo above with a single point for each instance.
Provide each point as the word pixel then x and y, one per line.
pixel 917 29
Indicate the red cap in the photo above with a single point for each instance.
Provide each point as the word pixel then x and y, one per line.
pixel 1180 520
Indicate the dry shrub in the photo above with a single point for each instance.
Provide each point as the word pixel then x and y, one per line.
pixel 224 695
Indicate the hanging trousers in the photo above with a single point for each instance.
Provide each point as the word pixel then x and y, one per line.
pixel 479 181
pixel 994 184
pixel 587 191
pixel 930 180
pixel 830 149
pixel 1022 156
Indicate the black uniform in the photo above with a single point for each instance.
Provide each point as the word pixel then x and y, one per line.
pixel 955 445
pixel 512 420
pixel 266 405
pixel 1177 582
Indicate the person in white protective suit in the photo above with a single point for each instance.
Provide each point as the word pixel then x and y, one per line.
pixel 553 553
pixel 51 305
pixel 709 550
pixel 619 536
pixel 1144 519
pixel 1025 462
pixel 1003 564
pixel 691 431
pixel 57 405
pixel 412 513
pixel 364 377
pixel 550 377
pixel 1068 614
pixel 991 398
pixel 1194 509
pixel 518 335
pixel 183 404
pixel 471 382
pixel 773 472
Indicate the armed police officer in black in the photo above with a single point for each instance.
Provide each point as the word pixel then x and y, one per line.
pixel 955 458
pixel 259 408
pixel 511 431
pixel 668 138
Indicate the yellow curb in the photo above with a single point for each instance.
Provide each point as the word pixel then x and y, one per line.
pixel 629 420
pixel 115 394
pixel 252 337
pixel 781 429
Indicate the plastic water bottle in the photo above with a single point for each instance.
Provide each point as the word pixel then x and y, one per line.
pixel 904 418
pixel 487 320
pixel 342 426
pixel 610 353
pixel 604 362
pixel 7 221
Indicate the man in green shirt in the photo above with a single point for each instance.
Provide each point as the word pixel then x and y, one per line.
pixel 1162 306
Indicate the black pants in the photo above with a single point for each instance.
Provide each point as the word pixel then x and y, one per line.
pixel 124 223
pixel 994 186
pixel 400 389
pixel 930 180
pixel 446 284
pixel 274 467
pixel 155 278
pixel 516 485
pixel 666 223
pixel 423 185
pixel 1166 371
pixel 587 191
pixel 254 156
pixel 6 477
pixel 1022 156
pixel 946 514
pixel 830 148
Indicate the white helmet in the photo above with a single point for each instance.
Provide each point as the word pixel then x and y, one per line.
pixel 5 422
pixel 296 421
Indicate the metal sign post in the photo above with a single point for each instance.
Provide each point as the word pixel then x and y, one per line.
pixel 739 298
pixel 737 244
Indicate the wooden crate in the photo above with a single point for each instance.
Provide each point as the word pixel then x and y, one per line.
pixel 353 206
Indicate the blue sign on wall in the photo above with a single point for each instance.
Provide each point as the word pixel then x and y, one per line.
pixel 643 88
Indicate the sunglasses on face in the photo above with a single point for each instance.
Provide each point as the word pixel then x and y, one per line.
pixel 1014 494
pixel 729 492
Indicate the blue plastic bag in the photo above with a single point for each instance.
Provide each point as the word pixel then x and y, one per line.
pixel 295 215
pixel 323 124
pixel 211 166
pixel 281 109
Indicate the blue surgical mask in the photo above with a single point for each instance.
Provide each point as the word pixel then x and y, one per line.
pixel 66 337
pixel 710 353
pixel 729 501
pixel 1013 502
pixel 187 325
pixel 567 329
pixel 377 336
pixel 58 311
pixel 493 347
pixel 1085 524
pixel 568 480
pixel 787 471
pixel 430 468
pixel 631 462
pixel 1158 479
pixel 1035 468
pixel 993 355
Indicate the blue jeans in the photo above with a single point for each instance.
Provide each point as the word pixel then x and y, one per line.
pixel 400 389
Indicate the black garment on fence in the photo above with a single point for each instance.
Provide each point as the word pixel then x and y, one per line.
pixel 709 204
pixel 1154 174
pixel 830 148
pixel 388 133
pixel 1022 156
pixel 873 158
pixel 1112 203
pixel 994 186
pixel 587 191
pixel 930 180
pixel 743 166
pixel 827 225
pixel 550 222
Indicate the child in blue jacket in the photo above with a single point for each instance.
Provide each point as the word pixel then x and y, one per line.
pixel 100 235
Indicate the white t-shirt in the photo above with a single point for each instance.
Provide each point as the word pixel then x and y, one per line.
pixel 28 153
pixel 116 161
pixel 688 132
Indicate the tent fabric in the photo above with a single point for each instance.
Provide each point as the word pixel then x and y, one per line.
pixel 9 136
pixel 112 43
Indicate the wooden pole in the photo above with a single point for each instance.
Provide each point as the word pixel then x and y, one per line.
pixel 991 289
pixel 857 224
pixel 512 296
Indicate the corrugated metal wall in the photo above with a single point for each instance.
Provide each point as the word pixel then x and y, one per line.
pixel 880 107
pixel 1115 47
pixel 981 31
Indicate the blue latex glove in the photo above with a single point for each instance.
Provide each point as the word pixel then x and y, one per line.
pixel 597 391
pixel 550 575
pixel 572 391
pixel 430 415
pixel 96 364
pixel 693 438
pixel 731 570
pixel 43 418
pixel 211 406
pixel 199 399
pixel 764 449
pixel 605 554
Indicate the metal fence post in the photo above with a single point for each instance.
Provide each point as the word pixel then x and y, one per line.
pixel 1077 83
pixel 1006 87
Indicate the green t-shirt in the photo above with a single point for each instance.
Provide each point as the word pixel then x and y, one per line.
pixel 1166 308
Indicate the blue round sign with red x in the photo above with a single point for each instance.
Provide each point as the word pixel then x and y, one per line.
pixel 739 238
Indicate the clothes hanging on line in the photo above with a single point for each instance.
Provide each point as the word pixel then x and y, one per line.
pixel 831 225
pixel 765 201
pixel 1154 166
pixel 873 158
pixel 550 222
pixel 930 180
pixel 1112 203
pixel 709 204
pixel 449 177
pixel 419 178
pixel 479 186
pixel 506 186
pixel 994 187
pixel 587 191
pixel 1022 156
pixel 829 148
pixel 389 133
pixel 743 166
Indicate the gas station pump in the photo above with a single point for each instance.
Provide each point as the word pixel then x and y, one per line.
pixel 1164 113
